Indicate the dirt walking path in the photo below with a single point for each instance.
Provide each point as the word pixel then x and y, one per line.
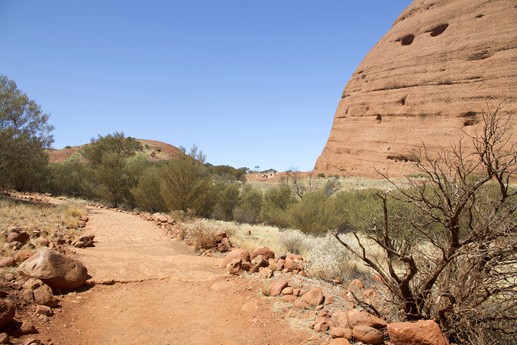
pixel 150 289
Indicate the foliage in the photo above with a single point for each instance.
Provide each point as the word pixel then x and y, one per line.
pixel 147 193
pixel 24 134
pixel 249 206
pixel 277 201
pixel 227 172
pixel 116 144
pixel 458 263
pixel 187 186
pixel 226 199
pixel 71 178
pixel 316 213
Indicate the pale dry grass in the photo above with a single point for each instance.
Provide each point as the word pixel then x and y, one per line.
pixel 325 257
pixel 43 218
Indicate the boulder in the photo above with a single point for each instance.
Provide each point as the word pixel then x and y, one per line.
pixel 27 327
pixel 264 251
pixel 293 262
pixel 368 335
pixel 21 237
pixel 84 241
pixel 259 261
pixel 339 341
pixel 341 332
pixel 360 317
pixel 313 297
pixel 54 269
pixel 276 287
pixel 7 311
pixel 22 255
pixel 43 296
pixel 7 262
pixel 237 253
pixel 416 333
pixel 234 266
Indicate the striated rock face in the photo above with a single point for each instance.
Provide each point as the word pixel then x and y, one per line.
pixel 426 80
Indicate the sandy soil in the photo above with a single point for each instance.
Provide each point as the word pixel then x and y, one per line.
pixel 150 289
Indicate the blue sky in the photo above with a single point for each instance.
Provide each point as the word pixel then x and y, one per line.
pixel 251 83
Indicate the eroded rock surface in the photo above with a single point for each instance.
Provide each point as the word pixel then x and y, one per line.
pixel 427 80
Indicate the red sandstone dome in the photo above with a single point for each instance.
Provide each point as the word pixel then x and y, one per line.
pixel 441 65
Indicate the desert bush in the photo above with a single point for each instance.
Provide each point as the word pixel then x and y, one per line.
pixel 277 201
pixel 200 236
pixel 187 186
pixel 116 144
pixel 24 134
pixel 147 193
pixel 457 265
pixel 226 199
pixel 249 206
pixel 316 213
pixel 71 178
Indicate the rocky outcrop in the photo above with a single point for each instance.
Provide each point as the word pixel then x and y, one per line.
pixel 54 269
pixel 426 81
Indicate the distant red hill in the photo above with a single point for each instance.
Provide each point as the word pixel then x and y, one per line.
pixel 155 150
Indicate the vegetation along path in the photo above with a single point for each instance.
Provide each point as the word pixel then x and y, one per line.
pixel 150 289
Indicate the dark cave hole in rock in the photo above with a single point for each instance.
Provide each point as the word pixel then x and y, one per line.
pixel 403 100
pixel 407 40
pixel 480 16
pixel 469 114
pixel 470 122
pixel 439 29
pixel 378 118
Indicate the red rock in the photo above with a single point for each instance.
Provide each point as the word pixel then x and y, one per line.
pixel 416 333
pixel 239 253
pixel 360 317
pixel 314 297
pixel 368 335
pixel 234 266
pixel 7 262
pixel 22 255
pixel 287 291
pixel 21 237
pixel 7 311
pixel 277 286
pixel 44 310
pixel 321 326
pixel 355 286
pixel 266 273
pixel 329 299
pixel 386 100
pixel 293 262
pixel 341 332
pixel 339 341
pixel 43 296
pixel 27 327
pixel 54 269
pixel 300 304
pixel 289 298
pixel 264 251
pixel 260 261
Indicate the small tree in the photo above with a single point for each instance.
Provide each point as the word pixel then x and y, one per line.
pixel 187 186
pixel 24 134
pixel 249 206
pixel 458 265
pixel 147 193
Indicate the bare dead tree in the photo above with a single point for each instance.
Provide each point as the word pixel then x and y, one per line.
pixel 458 263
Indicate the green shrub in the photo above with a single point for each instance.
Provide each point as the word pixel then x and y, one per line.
pixel 147 194
pixel 226 199
pixel 249 206
pixel 276 202
pixel 316 213
pixel 187 186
